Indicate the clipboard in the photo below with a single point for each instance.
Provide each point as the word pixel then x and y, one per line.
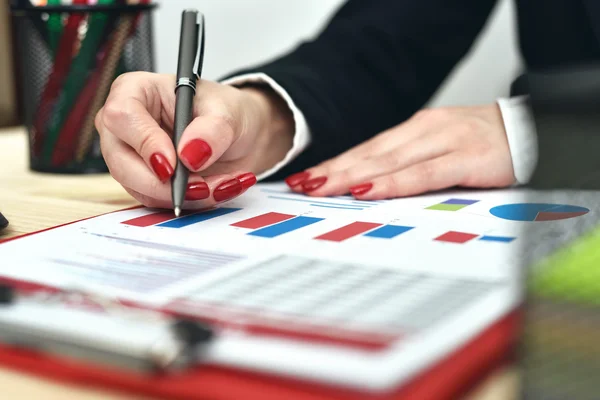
pixel 450 378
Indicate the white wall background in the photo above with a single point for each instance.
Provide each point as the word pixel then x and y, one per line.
pixel 244 32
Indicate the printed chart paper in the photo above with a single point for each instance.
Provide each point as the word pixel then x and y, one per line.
pixel 357 293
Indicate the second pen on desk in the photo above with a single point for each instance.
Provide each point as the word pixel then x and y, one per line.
pixel 191 42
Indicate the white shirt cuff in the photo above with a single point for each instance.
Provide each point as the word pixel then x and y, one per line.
pixel 522 136
pixel 301 131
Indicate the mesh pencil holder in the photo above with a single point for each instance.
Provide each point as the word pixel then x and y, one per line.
pixel 68 57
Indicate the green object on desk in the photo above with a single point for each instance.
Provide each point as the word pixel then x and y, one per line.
pixel 571 274
pixel 76 78
pixel 54 27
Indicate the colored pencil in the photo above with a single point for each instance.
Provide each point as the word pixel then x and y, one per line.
pixel 64 151
pixel 106 78
pixel 86 138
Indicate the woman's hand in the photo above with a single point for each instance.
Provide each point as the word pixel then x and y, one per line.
pixel 434 150
pixel 236 133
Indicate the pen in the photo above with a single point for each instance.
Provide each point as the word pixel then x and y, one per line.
pixel 191 40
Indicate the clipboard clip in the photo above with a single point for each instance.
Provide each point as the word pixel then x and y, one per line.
pixel 122 341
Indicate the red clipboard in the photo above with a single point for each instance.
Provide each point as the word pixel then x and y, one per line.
pixel 451 378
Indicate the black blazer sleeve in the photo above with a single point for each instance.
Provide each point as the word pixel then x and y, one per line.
pixel 374 65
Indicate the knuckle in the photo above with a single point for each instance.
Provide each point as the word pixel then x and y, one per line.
pixel 126 77
pixel 119 81
pixel 114 111
pixel 117 113
pixel 146 144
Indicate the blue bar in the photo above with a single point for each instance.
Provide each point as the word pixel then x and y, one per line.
pixel 460 201
pixel 195 218
pixel 285 227
pixel 388 231
pixel 503 239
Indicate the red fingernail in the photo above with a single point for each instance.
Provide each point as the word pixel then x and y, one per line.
pixel 361 189
pixel 161 166
pixel 197 191
pixel 228 190
pixel 196 153
pixel 247 180
pixel 296 179
pixel 314 184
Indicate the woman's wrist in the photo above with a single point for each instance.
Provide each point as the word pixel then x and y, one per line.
pixel 276 126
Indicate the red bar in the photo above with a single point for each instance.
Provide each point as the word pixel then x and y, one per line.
pixel 151 219
pixel 263 220
pixel 348 231
pixel 456 237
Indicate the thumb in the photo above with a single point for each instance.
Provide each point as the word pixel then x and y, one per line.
pixel 205 140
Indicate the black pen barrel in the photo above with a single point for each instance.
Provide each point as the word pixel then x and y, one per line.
pixel 184 98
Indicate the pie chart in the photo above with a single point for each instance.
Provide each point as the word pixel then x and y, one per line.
pixel 537 211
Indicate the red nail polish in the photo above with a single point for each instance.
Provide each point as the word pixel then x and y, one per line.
pixel 296 179
pixel 197 191
pixel 228 190
pixel 247 180
pixel 314 184
pixel 161 166
pixel 196 153
pixel 361 189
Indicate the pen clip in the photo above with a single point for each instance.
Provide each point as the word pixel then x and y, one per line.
pixel 200 58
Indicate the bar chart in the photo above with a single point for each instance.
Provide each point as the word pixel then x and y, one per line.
pixel 272 224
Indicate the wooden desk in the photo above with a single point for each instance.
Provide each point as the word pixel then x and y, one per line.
pixel 34 201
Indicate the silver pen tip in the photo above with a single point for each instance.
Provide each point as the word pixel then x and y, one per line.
pixel 177 211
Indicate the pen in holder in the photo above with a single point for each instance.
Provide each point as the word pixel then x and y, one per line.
pixel 69 57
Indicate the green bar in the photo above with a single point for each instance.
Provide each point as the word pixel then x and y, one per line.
pixel 446 207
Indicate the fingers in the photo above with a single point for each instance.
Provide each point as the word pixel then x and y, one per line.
pixel 131 172
pixel 127 168
pixel 431 175
pixel 339 182
pixel 132 114
pixel 198 194
pixel 389 139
